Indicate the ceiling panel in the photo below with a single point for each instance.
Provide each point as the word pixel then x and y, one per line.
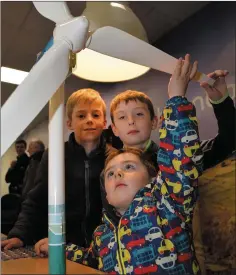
pixel 22 62
pixel 8 34
pixel 15 12
pixel 35 22
pixel 179 10
pixel 157 25
pixel 35 42
pixel 76 7
pixel 6 90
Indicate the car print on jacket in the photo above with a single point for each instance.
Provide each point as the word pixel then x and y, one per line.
pixel 151 236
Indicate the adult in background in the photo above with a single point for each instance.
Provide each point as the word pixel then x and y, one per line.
pixel 16 172
pixel 35 150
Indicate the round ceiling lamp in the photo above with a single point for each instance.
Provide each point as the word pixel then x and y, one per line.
pixel 97 67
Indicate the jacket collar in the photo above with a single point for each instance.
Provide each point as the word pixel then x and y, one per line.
pixel 151 153
pixel 110 216
pixel 152 147
pixel 79 148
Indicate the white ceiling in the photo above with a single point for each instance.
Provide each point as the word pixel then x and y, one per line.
pixel 24 32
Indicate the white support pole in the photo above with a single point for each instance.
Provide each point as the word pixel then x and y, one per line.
pixel 56 187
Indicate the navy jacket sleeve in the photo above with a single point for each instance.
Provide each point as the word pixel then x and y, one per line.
pixel 217 149
pixel 16 174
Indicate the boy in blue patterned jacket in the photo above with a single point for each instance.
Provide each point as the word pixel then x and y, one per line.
pixel 151 229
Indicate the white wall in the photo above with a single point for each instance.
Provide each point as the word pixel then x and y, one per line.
pixel 40 132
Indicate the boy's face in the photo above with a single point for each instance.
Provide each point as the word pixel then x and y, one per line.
pixel 87 122
pixel 133 124
pixel 124 176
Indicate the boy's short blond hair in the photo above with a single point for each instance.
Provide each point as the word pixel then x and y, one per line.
pixel 86 96
pixel 131 95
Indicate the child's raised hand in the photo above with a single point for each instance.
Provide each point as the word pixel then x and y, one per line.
pixel 184 72
pixel 219 88
pixel 41 247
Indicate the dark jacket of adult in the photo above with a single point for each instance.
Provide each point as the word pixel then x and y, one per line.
pixel 82 197
pixel 15 175
pixel 30 173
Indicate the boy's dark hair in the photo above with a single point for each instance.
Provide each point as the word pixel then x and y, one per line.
pixel 21 141
pixel 139 153
pixel 130 95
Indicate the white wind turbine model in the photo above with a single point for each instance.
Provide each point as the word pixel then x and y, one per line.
pixel 45 78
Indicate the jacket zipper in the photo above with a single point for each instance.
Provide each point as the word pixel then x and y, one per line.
pixel 87 199
pixel 119 259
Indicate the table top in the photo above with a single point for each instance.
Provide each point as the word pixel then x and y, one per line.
pixel 40 266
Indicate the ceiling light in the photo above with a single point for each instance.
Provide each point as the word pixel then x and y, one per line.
pixel 12 76
pixel 118 5
pixel 101 68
